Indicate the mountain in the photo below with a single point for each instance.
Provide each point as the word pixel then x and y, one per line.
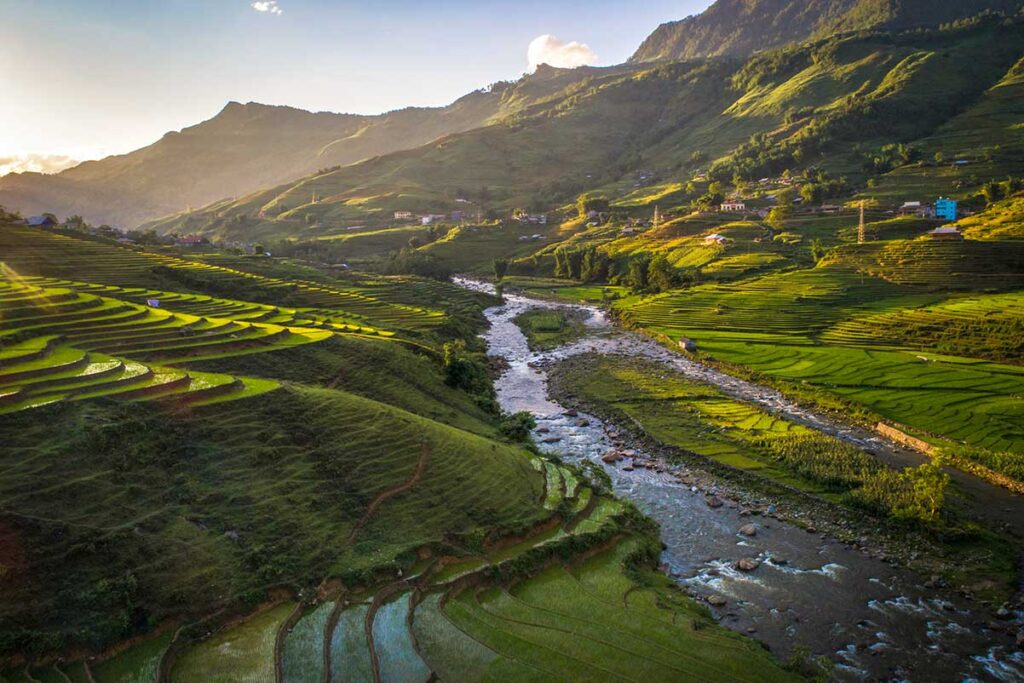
pixel 820 106
pixel 739 28
pixel 244 147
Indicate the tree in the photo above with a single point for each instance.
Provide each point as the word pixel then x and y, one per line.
pixel 661 275
pixel 500 266
pixel 636 275
pixel 258 249
pixel 462 371
pixel 588 202
pixel 818 250
pixel 517 426
pixel 812 193
pixel 777 218
pixel 992 191
pixel 785 198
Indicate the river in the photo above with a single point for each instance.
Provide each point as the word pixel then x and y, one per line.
pixel 874 621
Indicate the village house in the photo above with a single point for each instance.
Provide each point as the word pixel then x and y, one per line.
pixel 733 206
pixel 457 216
pixel 432 218
pixel 945 208
pixel 716 238
pixel 403 215
pixel 916 209
pixel 533 218
pixel 909 209
pixel 945 233
pixel 191 241
pixel 46 221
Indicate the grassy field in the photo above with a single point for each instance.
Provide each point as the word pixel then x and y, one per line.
pixel 547 329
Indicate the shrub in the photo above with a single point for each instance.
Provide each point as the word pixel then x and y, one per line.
pixel 517 426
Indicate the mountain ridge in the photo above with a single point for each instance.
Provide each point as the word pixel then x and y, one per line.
pixel 739 28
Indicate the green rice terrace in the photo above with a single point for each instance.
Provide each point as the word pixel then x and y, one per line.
pixel 284 486
pixel 707 366
pixel 917 333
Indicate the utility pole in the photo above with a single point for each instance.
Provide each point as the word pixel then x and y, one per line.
pixel 860 229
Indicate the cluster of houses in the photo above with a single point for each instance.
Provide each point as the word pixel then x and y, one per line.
pixel 531 218
pixel 944 208
pixel 191 241
pixel 431 218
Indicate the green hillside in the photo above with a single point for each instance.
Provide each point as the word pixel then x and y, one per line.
pixel 743 27
pixel 236 485
pixel 825 107
pixel 250 146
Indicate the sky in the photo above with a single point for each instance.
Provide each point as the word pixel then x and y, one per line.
pixel 83 79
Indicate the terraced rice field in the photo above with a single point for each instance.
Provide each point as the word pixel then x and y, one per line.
pixel 790 307
pixel 302 660
pixel 244 654
pixel 976 402
pixel 883 337
pixel 137 664
pixel 986 326
pixel 588 622
pixel 28 252
pixel 57 343
pixel 970 265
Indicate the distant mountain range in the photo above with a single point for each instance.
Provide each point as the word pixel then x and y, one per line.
pixel 537 140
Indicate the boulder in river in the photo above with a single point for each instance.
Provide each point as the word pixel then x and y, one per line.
pixel 748 530
pixel 715 502
pixel 716 601
pixel 611 457
pixel 747 564
pixel 583 422
pixel 571 413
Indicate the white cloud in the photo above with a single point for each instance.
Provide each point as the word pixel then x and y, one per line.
pixel 268 6
pixel 549 49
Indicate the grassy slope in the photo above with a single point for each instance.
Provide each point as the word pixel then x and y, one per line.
pixel 149 514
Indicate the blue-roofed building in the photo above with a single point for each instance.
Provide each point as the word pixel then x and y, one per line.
pixel 44 221
pixel 945 209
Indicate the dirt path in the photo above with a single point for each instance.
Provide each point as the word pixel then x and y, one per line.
pixel 421 467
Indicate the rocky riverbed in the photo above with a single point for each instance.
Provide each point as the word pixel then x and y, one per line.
pixel 764 570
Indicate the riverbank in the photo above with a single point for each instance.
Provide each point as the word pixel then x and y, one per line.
pixel 881 621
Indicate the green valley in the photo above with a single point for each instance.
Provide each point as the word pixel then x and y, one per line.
pixel 704 366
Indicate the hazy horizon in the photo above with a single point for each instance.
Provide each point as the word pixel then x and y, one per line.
pixel 111 79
